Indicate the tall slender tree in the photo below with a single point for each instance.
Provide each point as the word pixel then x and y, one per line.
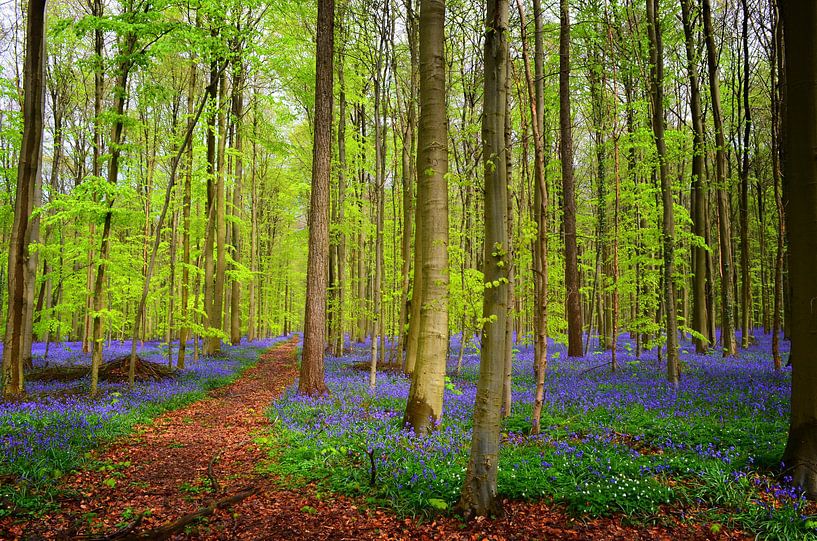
pixel 728 343
pixel 573 299
pixel 478 495
pixel 668 203
pixel 312 375
pixel 699 200
pixel 29 175
pixel 535 86
pixel 745 270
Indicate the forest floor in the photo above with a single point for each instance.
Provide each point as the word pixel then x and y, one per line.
pixel 194 474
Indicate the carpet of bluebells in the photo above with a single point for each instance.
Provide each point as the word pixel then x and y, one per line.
pixel 49 431
pixel 624 442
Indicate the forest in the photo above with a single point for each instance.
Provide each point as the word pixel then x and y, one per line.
pixel 408 269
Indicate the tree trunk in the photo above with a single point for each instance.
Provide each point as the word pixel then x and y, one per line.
pixel 573 299
pixel 238 116
pixel 668 229
pixel 341 213
pixel 96 8
pixel 746 283
pixel 478 494
pixel 251 286
pixel 776 72
pixel 728 344
pixel 120 100
pixel 311 380
pixel 21 287
pixel 425 399
pixel 184 331
pixel 408 175
pixel 379 166
pixel 212 180
pixel 507 376
pixel 699 253
pixel 535 86
pixel 217 310
pixel 800 199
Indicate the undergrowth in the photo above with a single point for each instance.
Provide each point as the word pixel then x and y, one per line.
pixel 29 478
pixel 705 453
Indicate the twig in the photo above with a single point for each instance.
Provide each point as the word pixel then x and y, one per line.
pixel 594 368
pixel 214 486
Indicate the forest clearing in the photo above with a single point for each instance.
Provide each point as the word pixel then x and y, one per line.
pixel 408 269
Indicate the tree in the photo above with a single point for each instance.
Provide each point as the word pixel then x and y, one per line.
pixel 425 400
pixel 21 290
pixel 745 266
pixel 408 174
pixel 478 494
pixel 728 344
pixel 799 21
pixel 311 377
pixel 535 87
pixel 573 297
pixel 668 229
pixel 699 310
pixel 777 73
pixel 126 61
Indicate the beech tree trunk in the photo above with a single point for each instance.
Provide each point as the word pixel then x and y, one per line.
pixel 184 331
pixel 699 253
pixel 800 199
pixel 96 9
pixel 20 285
pixel 341 248
pixel 478 495
pixel 573 299
pixel 238 116
pixel 425 399
pixel 408 175
pixel 776 72
pixel 668 229
pixel 745 270
pixel 728 344
pixel 379 194
pixel 535 87
pixel 311 380
pixel 212 172
pixel 216 319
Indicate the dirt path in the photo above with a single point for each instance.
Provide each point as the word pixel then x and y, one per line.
pixel 165 469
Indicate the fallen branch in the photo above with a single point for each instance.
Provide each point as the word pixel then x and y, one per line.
pixel 168 530
pixel 594 367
